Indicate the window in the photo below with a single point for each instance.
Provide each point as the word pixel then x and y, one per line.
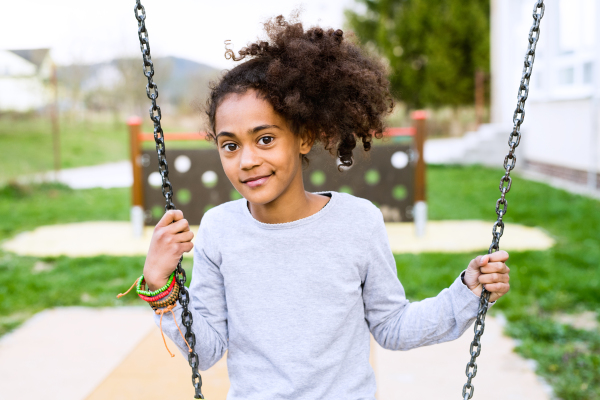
pixel 566 76
pixel 588 72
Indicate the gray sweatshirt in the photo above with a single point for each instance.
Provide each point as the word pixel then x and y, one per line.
pixel 293 303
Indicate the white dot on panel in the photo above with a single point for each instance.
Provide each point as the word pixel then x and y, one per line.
pixel 154 179
pixel 183 164
pixel 399 159
pixel 209 178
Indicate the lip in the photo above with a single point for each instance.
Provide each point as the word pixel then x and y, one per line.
pixel 257 181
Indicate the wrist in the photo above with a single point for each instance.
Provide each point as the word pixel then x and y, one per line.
pixel 154 281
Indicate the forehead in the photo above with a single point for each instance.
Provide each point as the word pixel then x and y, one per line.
pixel 241 112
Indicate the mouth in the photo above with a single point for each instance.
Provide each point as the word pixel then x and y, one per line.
pixel 257 180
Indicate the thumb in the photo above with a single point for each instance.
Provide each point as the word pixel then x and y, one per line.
pixel 484 260
pixel 477 263
pixel 169 217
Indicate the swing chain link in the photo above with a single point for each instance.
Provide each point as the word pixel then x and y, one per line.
pixel 167 190
pixel 505 185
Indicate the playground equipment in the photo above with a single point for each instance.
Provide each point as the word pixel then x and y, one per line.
pixel 391 175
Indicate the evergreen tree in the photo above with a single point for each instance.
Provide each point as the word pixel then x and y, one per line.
pixel 434 47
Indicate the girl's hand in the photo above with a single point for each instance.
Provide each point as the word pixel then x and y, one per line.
pixel 488 270
pixel 171 238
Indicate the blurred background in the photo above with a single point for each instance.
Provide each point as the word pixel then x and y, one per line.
pixel 71 76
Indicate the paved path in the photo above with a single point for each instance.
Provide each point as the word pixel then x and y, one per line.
pixel 64 354
pixel 86 239
pixel 109 175
pixel 117 354
pixel 438 372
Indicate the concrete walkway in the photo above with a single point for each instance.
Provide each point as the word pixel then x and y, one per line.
pixel 65 353
pixel 87 239
pixel 109 175
pixel 118 354
pixel 438 372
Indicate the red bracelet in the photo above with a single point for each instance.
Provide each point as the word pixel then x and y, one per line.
pixel 160 295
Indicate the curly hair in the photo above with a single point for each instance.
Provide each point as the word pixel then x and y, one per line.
pixel 325 87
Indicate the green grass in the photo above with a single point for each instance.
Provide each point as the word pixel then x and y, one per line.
pixel 565 278
pixel 25 288
pixel 27 144
pixel 93 281
pixel 25 207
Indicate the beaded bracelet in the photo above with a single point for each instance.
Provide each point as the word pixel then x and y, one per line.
pixel 162 300
pixel 156 292
pixel 159 296
pixel 169 300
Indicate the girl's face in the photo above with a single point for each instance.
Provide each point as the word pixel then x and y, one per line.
pixel 260 155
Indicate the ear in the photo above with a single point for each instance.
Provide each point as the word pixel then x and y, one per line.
pixel 307 140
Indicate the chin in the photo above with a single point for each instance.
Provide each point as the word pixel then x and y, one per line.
pixel 260 196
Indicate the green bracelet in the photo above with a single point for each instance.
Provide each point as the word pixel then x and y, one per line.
pixel 156 292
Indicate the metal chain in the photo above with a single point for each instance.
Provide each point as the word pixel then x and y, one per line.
pixel 167 190
pixel 505 185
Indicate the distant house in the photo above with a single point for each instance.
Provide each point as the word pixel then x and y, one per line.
pixel 24 78
pixel 561 128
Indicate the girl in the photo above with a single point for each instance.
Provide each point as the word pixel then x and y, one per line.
pixel 289 282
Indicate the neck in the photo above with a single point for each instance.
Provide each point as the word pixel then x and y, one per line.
pixel 293 204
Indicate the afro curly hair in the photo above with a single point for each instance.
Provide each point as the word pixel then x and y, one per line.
pixel 325 87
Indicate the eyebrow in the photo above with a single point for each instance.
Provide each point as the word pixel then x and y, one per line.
pixel 250 131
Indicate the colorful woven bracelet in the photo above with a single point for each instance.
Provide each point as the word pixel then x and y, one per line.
pixel 175 286
pixel 159 296
pixel 156 292
pixel 171 299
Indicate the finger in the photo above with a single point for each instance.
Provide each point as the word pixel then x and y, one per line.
pixel 179 226
pixel 169 217
pixel 499 288
pixel 184 237
pixel 475 263
pixel 500 255
pixel 186 247
pixel 486 279
pixel 492 267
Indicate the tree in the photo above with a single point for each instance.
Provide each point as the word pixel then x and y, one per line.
pixel 434 47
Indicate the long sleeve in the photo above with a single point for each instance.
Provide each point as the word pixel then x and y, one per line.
pixel 398 324
pixel 208 308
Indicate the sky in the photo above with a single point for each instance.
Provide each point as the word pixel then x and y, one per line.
pixel 92 31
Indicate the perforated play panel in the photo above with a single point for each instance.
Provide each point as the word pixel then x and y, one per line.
pixel 385 176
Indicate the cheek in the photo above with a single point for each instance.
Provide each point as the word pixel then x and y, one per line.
pixel 230 168
pixel 287 159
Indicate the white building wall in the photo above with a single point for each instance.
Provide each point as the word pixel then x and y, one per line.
pixel 560 126
pixel 22 94
pixel 558 133
pixel 22 85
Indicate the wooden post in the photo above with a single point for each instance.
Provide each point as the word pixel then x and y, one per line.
pixel 479 96
pixel 55 126
pixel 420 207
pixel 137 189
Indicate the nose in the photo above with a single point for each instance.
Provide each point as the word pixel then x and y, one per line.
pixel 249 158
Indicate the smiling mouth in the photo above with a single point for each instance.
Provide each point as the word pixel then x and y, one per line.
pixel 258 181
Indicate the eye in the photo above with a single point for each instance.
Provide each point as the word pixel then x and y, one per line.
pixel 266 139
pixel 230 147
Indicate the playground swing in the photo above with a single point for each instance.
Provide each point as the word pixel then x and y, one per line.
pixel 501 204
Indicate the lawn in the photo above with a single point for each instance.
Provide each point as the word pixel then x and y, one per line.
pixel 562 279
pixel 27 144
pixel 29 284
